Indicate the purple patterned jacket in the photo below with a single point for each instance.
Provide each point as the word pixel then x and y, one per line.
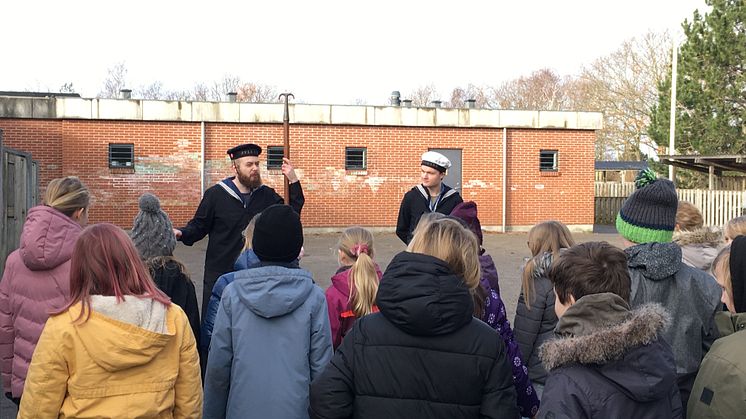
pixel 495 316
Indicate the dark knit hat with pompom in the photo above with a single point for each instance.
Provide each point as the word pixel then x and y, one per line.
pixel 649 214
pixel 152 231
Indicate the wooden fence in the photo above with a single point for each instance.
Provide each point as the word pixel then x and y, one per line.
pixel 717 206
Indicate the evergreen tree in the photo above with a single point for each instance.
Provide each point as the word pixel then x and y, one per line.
pixel 711 93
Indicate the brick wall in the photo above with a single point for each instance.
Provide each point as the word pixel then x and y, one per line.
pixel 167 162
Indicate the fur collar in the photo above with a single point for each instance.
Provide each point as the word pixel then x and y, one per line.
pixel 607 344
pixel 698 236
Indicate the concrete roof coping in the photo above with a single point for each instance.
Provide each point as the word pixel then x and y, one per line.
pixel 193 111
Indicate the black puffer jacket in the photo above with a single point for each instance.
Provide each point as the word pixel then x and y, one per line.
pixel 533 327
pixel 422 356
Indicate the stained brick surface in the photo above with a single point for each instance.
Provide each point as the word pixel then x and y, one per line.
pixel 167 162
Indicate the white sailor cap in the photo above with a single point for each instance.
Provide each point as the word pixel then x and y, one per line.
pixel 436 160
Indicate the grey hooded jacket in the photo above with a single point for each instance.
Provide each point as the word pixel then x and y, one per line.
pixel 691 296
pixel 271 338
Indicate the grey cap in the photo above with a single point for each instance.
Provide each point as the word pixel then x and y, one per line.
pixel 152 231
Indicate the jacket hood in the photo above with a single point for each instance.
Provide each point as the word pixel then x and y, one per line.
pixel 247 259
pixel 123 335
pixel 654 261
pixel 599 331
pixel 273 291
pixel 704 236
pixel 421 296
pixel 541 264
pixel 489 272
pixel 341 280
pixel 48 238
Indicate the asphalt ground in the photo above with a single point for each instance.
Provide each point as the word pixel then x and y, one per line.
pixel 508 251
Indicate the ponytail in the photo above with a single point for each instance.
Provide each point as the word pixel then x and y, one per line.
pixel 363 285
pixel 357 244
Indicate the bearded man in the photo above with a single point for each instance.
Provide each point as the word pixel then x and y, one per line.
pixel 226 209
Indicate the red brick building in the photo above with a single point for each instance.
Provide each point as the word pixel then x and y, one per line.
pixel 355 162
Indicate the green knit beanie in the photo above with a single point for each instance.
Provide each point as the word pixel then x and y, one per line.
pixel 649 214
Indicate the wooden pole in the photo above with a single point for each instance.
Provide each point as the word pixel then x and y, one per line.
pixel 286 142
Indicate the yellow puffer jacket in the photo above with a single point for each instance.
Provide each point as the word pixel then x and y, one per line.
pixel 133 359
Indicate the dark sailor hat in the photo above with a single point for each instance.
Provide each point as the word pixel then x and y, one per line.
pixel 436 160
pixel 244 150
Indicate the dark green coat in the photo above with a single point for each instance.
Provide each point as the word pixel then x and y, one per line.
pixel 720 388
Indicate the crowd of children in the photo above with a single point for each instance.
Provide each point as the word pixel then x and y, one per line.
pixel 98 323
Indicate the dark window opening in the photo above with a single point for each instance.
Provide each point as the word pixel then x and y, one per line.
pixel 548 161
pixel 356 158
pixel 121 155
pixel 274 157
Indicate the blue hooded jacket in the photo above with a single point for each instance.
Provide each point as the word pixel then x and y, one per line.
pixel 271 338
pixel 246 260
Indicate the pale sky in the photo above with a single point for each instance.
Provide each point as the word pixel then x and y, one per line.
pixel 330 52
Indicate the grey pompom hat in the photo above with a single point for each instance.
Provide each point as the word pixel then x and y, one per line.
pixel 152 231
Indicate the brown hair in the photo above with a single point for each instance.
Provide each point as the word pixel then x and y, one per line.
pixel 735 227
pixel 357 244
pixel 449 241
pixel 67 195
pixel 545 237
pixel 689 217
pixel 590 268
pixel 105 262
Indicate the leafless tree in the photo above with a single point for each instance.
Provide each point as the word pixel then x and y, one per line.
pixel 542 90
pixel 67 88
pixel 624 86
pixel 460 95
pixel 422 96
pixel 115 81
pixel 229 83
pixel 258 93
pixel 154 90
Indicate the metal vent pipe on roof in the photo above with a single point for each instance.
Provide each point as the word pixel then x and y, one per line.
pixel 436 103
pixel 232 96
pixel 395 98
pixel 125 93
pixel 471 103
pixel 407 102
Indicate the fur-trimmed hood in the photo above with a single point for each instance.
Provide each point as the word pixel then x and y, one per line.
pixel 600 332
pixel 704 236
pixel 589 333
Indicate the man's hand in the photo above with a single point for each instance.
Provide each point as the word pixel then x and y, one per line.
pixel 177 233
pixel 289 171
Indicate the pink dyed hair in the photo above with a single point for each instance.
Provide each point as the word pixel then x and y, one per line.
pixel 105 262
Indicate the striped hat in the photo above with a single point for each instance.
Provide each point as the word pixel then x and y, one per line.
pixel 649 214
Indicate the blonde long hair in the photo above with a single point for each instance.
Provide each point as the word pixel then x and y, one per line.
pixel 67 195
pixel 545 237
pixel 451 242
pixel 248 233
pixel 357 244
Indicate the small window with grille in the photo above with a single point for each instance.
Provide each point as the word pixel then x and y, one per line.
pixel 274 157
pixel 122 156
pixel 548 161
pixel 356 158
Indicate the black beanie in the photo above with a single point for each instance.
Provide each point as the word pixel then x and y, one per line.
pixel 278 235
pixel 738 273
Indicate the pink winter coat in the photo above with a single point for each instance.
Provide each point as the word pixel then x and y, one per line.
pixel 338 300
pixel 36 282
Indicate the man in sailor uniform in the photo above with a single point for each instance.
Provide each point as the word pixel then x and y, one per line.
pixel 431 196
pixel 226 209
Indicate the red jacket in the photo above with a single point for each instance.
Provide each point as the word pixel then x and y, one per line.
pixel 338 301
pixel 36 282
